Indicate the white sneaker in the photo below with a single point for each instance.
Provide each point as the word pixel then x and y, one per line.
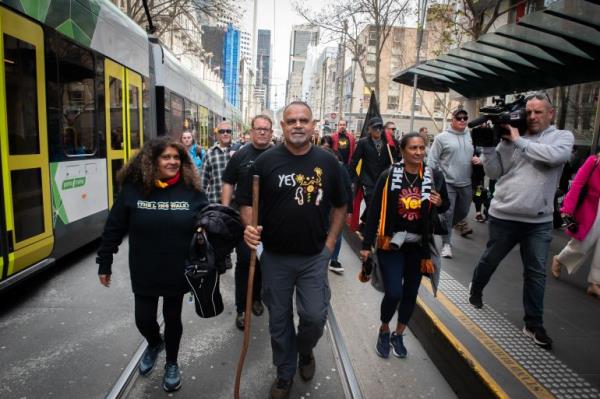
pixel 446 251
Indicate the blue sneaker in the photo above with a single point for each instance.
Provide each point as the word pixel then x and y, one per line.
pixel 172 378
pixel 398 348
pixel 149 358
pixel 383 344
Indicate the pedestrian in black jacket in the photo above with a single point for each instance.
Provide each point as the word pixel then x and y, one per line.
pixel 376 153
pixel 157 207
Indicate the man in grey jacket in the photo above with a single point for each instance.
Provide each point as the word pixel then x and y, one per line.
pixel 452 153
pixel 528 169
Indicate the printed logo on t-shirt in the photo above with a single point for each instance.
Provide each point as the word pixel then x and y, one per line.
pixel 343 144
pixel 309 188
pixel 164 205
pixel 409 203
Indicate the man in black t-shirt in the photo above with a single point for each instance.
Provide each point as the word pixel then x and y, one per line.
pixel 236 176
pixel 302 211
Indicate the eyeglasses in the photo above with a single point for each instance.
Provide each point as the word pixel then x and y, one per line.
pixel 377 127
pixel 542 95
pixel 225 131
pixel 461 118
pixel 261 129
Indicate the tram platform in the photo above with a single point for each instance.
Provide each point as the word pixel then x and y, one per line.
pixel 483 352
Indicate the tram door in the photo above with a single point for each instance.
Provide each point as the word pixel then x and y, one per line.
pixel 27 224
pixel 123 96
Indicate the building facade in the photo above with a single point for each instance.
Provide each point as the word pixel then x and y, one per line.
pixel 263 67
pixel 301 37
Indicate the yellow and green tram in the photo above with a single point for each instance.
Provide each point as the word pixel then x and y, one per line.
pixel 81 88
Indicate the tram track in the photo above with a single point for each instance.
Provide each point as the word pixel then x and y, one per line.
pixel 351 388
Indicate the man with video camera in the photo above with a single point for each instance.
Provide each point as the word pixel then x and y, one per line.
pixel 528 168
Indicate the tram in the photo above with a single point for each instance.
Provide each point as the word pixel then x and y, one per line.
pixel 81 87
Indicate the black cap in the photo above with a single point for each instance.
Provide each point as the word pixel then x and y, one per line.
pixel 459 111
pixel 374 121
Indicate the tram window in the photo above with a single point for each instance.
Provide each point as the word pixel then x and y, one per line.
pixel 167 112
pixel 27 203
pixel 116 165
pixel 191 118
pixel 71 97
pixel 116 113
pixel 21 96
pixel 176 127
pixel 203 125
pixel 146 108
pixel 134 117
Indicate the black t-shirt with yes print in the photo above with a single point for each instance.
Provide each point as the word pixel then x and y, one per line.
pixel 409 204
pixel 296 196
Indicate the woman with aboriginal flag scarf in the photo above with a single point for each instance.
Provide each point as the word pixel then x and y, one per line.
pixel 406 200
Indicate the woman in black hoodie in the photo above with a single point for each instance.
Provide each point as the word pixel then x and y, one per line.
pixel 157 206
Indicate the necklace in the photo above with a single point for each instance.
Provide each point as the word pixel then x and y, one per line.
pixel 411 183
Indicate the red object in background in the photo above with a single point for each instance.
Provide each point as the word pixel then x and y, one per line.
pixel 355 220
pixel 520 11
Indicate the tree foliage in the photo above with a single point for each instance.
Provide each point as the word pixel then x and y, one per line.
pixel 346 21
pixel 462 20
pixel 165 13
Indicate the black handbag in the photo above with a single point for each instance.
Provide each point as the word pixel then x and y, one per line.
pixel 438 222
pixel 203 277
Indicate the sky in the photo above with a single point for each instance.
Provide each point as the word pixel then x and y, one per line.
pixel 282 12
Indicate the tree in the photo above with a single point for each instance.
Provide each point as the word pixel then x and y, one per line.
pixel 469 19
pixel 171 17
pixel 359 25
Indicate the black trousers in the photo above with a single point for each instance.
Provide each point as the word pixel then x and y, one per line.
pixel 145 320
pixel 242 269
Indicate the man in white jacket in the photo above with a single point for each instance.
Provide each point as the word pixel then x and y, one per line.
pixel 528 169
pixel 452 153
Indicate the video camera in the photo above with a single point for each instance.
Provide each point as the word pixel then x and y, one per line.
pixel 499 114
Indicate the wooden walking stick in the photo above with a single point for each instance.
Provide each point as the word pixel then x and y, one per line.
pixel 248 310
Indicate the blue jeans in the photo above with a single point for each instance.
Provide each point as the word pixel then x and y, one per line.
pixel 534 240
pixel 460 203
pixel 337 248
pixel 401 272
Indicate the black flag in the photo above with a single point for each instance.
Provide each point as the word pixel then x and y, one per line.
pixel 371 112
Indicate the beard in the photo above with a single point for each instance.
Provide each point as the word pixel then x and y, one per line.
pixel 297 140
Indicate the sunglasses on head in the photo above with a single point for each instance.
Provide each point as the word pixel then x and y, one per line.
pixel 461 118
pixel 539 96
pixel 223 131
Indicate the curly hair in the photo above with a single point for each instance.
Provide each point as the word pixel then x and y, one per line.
pixel 142 169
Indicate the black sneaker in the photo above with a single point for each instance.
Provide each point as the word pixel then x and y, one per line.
pixel 257 308
pixel 307 365
pixel 239 321
pixel 539 336
pixel 172 377
pixel 383 344
pixel 149 358
pixel 281 388
pixel 336 266
pixel 475 298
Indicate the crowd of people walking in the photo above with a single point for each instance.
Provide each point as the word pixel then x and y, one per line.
pixel 408 190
